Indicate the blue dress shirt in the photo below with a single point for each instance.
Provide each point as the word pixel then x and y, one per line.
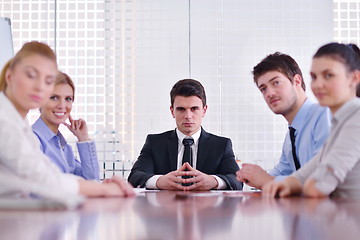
pixel 61 153
pixel 312 124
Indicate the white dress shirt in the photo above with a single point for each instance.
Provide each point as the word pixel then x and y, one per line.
pixel 151 182
pixel 21 160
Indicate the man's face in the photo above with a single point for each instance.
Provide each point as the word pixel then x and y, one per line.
pixel 278 92
pixel 188 113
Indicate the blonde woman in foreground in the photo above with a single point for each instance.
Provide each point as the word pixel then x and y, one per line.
pixel 27 82
pixel 335 170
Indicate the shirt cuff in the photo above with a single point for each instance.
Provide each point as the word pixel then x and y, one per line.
pixel 151 182
pixel 221 183
pixel 88 141
pixel 279 178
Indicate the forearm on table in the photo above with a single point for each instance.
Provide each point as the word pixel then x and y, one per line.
pixel 91 188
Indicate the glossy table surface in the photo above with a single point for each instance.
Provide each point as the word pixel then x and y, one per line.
pixel 182 215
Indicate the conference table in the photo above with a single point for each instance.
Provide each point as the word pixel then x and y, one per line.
pixel 189 215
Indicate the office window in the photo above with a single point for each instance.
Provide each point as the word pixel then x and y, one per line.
pixel 347 21
pixel 31 20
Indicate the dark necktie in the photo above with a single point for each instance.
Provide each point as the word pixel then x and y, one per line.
pixel 187 157
pixel 293 148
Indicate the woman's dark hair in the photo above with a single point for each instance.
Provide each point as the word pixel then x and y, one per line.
pixel 348 54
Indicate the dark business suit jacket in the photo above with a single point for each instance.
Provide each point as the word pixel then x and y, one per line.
pixel 160 152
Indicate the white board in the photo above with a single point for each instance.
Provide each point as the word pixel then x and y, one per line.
pixel 6 43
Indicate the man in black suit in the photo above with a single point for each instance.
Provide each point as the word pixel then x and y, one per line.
pixel 166 163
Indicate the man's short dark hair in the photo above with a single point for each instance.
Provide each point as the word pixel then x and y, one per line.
pixel 278 62
pixel 188 88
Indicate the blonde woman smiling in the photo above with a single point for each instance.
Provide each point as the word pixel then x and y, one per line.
pixel 52 142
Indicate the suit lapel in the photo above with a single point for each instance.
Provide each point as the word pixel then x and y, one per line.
pixel 173 150
pixel 202 149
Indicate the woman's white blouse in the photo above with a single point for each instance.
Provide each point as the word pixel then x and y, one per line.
pixel 24 169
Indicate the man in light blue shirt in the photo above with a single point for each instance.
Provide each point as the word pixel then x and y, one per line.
pixel 280 81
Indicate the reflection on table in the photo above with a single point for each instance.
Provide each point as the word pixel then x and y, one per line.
pixel 184 215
